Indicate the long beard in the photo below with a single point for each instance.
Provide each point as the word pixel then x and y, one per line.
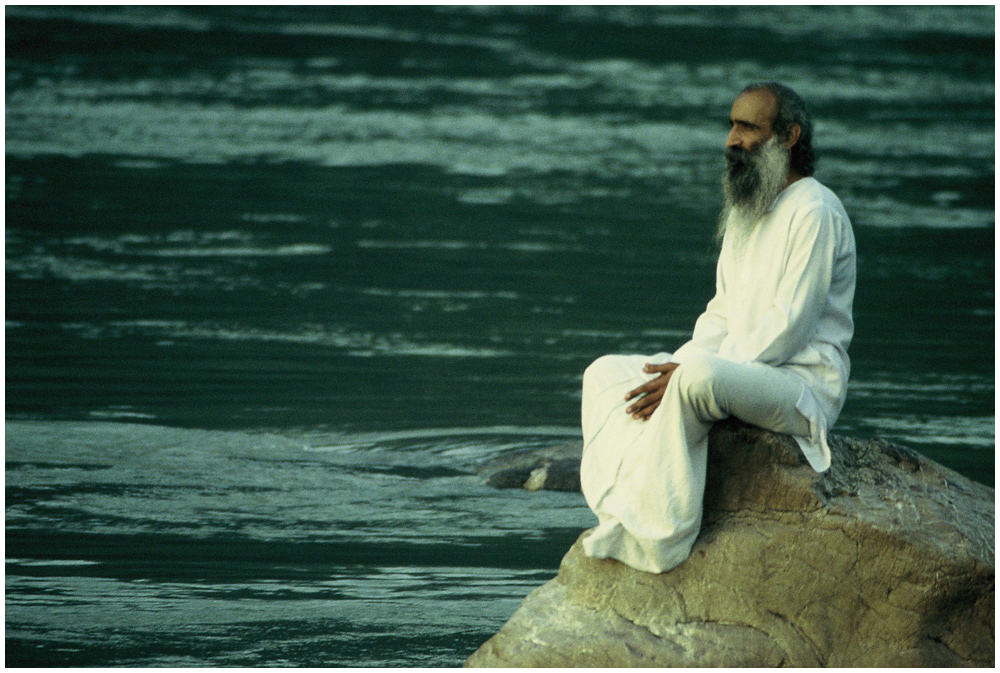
pixel 752 181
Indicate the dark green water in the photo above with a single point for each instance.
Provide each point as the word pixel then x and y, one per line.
pixel 278 279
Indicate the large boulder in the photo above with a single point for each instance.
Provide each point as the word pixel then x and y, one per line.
pixel 886 559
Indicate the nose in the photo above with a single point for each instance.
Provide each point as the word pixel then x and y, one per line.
pixel 733 140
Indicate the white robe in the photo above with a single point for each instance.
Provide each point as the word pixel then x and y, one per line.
pixel 776 334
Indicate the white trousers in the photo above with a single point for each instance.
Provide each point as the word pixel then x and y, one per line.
pixel 645 479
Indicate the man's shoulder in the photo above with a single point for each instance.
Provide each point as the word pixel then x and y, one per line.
pixel 811 194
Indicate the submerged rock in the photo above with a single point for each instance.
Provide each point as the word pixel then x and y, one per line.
pixel 555 468
pixel 887 559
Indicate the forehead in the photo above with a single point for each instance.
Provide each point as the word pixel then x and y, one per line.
pixel 756 107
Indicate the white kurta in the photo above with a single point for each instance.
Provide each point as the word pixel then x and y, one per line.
pixel 772 345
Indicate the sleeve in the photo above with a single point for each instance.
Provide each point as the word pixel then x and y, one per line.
pixel 790 322
pixel 711 327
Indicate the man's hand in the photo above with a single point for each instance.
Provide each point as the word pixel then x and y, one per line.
pixel 650 393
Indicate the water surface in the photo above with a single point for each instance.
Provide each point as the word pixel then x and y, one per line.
pixel 278 279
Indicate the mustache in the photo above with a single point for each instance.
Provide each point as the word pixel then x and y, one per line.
pixel 738 156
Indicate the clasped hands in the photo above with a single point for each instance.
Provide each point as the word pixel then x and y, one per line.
pixel 650 393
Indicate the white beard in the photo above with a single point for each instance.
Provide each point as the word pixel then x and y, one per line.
pixel 747 199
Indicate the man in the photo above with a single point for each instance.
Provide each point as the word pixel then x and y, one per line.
pixel 770 348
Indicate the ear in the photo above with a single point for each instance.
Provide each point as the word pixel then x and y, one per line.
pixel 792 136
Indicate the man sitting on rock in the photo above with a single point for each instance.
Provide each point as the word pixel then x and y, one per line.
pixel 770 348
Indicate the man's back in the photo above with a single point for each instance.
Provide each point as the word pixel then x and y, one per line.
pixel 789 283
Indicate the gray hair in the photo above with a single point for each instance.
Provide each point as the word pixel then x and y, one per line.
pixel 791 110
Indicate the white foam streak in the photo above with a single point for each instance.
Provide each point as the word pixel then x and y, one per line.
pixel 359 344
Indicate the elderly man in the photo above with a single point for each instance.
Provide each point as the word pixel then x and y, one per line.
pixel 770 348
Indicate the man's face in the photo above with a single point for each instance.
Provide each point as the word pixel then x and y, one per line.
pixel 750 120
pixel 756 163
pixel 749 128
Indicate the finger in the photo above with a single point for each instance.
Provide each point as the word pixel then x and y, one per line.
pixel 638 392
pixel 642 403
pixel 645 413
pixel 660 369
pixel 641 390
pixel 658 383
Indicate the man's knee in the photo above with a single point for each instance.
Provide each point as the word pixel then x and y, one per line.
pixel 598 368
pixel 602 364
pixel 601 372
pixel 697 378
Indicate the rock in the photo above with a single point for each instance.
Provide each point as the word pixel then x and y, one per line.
pixel 555 468
pixel 887 559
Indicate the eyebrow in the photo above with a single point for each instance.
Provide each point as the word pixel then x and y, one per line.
pixel 743 122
